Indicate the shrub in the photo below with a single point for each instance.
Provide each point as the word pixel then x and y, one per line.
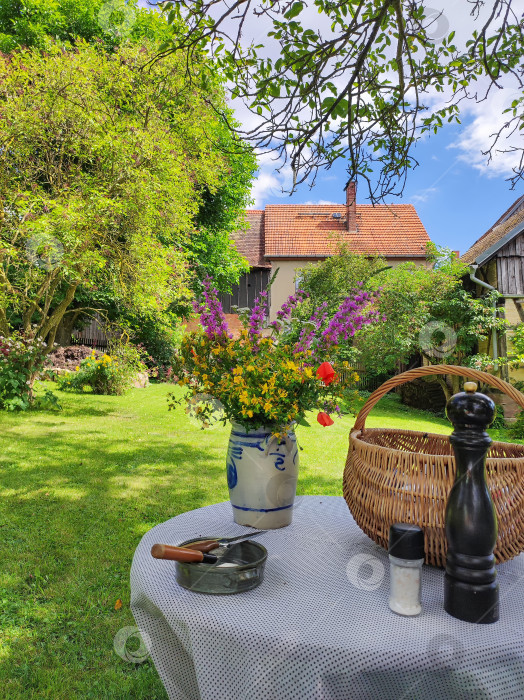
pixel 499 422
pixel 107 374
pixel 22 357
pixel 159 338
pixel 516 430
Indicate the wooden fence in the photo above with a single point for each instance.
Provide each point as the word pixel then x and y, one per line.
pixel 92 335
pixel 366 381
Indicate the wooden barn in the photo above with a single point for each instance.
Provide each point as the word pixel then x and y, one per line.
pixel 497 260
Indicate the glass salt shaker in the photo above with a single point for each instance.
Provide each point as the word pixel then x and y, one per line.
pixel 406 556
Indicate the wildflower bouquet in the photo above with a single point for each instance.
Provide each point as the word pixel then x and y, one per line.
pixel 261 379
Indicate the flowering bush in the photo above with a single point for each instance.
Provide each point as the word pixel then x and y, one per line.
pixel 22 357
pixel 107 374
pixel 260 378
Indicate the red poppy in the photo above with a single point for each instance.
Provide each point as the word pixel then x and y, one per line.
pixel 326 373
pixel 324 419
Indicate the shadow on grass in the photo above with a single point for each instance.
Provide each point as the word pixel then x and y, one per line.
pixel 73 508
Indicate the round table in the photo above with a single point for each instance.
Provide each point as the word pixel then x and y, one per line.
pixel 319 627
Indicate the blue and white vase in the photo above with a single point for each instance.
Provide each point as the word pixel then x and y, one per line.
pixel 262 472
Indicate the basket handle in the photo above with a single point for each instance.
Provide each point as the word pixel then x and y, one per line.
pixel 399 379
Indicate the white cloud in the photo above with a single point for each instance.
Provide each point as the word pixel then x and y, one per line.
pixel 424 195
pixel 270 183
pixel 477 137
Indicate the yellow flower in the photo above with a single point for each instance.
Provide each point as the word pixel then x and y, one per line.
pixel 264 389
pixel 237 370
pixel 291 365
pixel 267 406
pixel 308 372
pixel 250 368
pixel 76 369
pixel 244 398
pixel 216 351
pixel 250 413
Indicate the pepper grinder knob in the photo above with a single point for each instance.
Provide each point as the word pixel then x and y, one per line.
pixel 471 592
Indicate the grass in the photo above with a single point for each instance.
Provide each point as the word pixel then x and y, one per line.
pixel 79 489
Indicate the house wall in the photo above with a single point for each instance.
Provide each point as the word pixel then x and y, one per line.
pixel 515 315
pixel 513 312
pixel 284 284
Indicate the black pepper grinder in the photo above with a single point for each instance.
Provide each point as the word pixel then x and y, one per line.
pixel 471 591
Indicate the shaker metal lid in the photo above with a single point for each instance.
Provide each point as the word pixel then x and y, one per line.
pixel 406 541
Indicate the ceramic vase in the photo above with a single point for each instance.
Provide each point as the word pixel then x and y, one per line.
pixel 262 472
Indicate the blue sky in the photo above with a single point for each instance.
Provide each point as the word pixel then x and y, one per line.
pixel 456 200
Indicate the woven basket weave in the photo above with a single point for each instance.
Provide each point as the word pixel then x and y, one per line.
pixel 405 476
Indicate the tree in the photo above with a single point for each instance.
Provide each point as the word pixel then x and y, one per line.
pixel 354 79
pixel 103 168
pixel 424 310
pixel 333 279
pixel 41 23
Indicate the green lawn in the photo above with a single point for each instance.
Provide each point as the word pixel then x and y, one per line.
pixel 79 489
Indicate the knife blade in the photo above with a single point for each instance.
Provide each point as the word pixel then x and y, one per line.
pixel 210 544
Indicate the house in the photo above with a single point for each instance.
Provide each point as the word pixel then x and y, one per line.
pixel 497 262
pixel 290 236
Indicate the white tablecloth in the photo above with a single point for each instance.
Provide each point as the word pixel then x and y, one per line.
pixel 319 625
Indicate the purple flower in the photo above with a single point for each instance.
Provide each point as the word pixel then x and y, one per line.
pixel 211 313
pixel 257 317
pixel 319 334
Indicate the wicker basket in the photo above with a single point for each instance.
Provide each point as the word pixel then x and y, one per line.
pixel 406 476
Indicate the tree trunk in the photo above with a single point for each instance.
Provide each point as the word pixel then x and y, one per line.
pixel 445 388
pixel 65 328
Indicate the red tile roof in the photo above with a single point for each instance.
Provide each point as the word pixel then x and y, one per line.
pixel 250 242
pixel 300 230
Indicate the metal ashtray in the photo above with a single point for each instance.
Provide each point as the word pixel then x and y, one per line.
pixel 239 568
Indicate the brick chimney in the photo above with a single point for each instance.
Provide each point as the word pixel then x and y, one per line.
pixel 351 205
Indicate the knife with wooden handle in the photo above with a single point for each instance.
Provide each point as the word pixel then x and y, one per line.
pixel 167 551
pixel 209 545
